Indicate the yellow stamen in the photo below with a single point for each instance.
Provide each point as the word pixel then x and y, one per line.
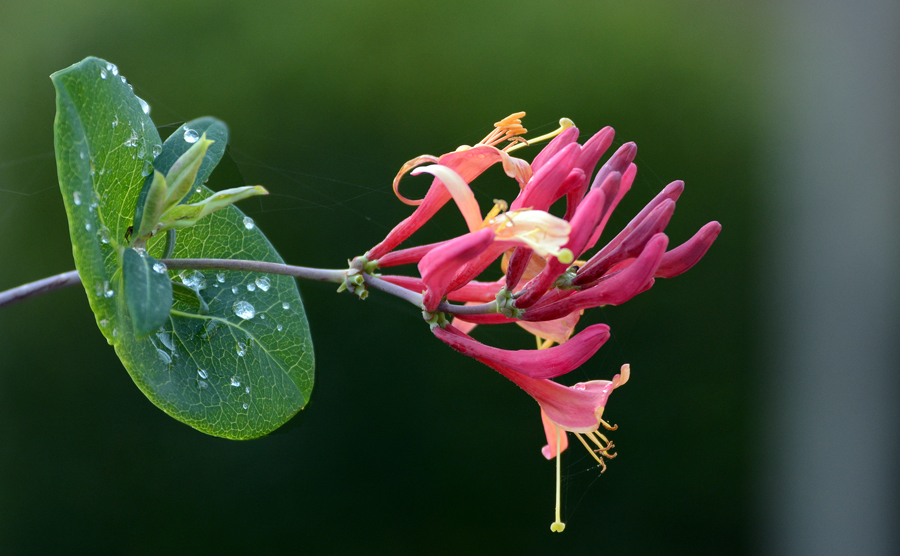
pixel 558 526
pixel 546 344
pixel 592 453
pixel 594 438
pixel 500 206
pixel 607 426
pixel 505 130
pixel 564 124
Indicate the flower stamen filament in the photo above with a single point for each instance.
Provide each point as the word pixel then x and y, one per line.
pixel 564 124
pixel 558 526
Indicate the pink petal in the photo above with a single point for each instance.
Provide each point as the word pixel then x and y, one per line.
pixel 591 152
pixel 469 164
pixel 543 363
pixel 559 330
pixel 614 290
pixel 459 190
pixel 618 162
pixel 585 221
pixel 555 437
pixel 440 265
pixel 629 247
pixel 561 141
pixel 689 253
pixel 407 256
pixel 613 196
pixel 543 189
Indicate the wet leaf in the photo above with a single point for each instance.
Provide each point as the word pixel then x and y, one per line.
pixel 219 372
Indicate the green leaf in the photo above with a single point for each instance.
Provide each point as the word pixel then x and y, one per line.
pixel 154 204
pixel 183 216
pixel 148 292
pixel 190 297
pixel 190 368
pixel 183 173
pixel 176 145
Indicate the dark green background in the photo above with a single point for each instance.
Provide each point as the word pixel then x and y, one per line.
pixel 406 446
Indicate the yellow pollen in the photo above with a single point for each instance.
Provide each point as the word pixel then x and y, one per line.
pixel 564 124
pixel 506 129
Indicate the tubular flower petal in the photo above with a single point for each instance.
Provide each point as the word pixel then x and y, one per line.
pixel 615 290
pixel 686 255
pixel 440 265
pixel 545 363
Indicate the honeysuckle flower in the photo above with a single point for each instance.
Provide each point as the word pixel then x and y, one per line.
pixel 577 409
pixel 469 163
pixel 544 289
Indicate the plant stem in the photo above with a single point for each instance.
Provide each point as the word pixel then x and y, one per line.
pixel 34 289
pixel 318 274
pixel 66 279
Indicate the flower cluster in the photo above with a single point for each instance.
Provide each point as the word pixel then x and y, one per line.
pixel 545 286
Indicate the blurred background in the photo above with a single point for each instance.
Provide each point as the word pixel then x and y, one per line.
pixel 761 417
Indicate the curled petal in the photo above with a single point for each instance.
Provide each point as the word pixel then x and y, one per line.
pixel 469 164
pixel 439 266
pixel 406 168
pixel 544 363
pixel 459 190
pixel 615 290
pixel 689 253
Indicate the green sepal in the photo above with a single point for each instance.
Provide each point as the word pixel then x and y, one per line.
pixel 148 292
pixel 183 173
pixel 190 296
pixel 183 216
pixel 154 206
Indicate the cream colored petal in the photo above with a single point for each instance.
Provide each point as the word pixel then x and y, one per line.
pixel 459 190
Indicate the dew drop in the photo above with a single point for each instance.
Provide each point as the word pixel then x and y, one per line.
pixel 263 283
pixel 202 384
pixel 285 305
pixel 115 122
pixel 144 106
pixel 104 235
pixel 156 150
pixel 87 226
pixel 234 289
pixel 244 310
pixel 160 268
pixel 262 316
pixel 220 277
pixel 251 287
pixel 246 406
pixel 102 73
pixel 279 328
pixel 190 135
pixel 122 77
pixel 163 356
pixel 241 349
pixel 115 332
pixel 113 68
pixel 193 279
pixel 76 197
pixel 103 322
pixel 108 293
pixel 235 381
pixel 247 389
pixel 248 223
pixel 202 373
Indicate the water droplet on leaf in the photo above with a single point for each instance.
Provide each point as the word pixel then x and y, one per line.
pixel 263 283
pixel 220 277
pixel 248 223
pixel 76 197
pixel 202 373
pixel 164 357
pixel 234 289
pixel 104 235
pixel 251 287
pixel 285 305
pixel 246 406
pixel 102 73
pixel 144 106
pixel 235 381
pixel 244 310
pixel 190 135
pixel 202 384
pixel 193 279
